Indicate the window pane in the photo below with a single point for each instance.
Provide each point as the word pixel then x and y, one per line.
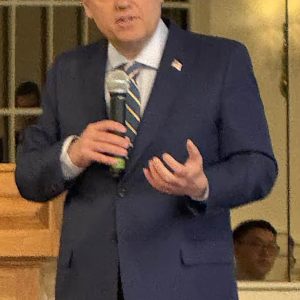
pixel 178 15
pixel 30 44
pixel 294 69
pixel 3 56
pixel 3 139
pixel 259 25
pixel 66 20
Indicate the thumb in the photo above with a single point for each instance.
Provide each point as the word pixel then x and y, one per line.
pixel 193 151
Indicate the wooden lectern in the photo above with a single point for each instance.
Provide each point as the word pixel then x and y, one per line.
pixel 29 235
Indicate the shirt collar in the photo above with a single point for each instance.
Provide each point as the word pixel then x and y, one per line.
pixel 150 55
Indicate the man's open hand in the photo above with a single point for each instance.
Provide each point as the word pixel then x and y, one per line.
pixel 178 179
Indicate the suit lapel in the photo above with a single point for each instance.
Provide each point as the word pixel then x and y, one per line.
pixel 167 87
pixel 93 75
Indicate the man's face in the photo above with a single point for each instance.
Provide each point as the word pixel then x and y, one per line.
pixel 28 100
pixel 125 23
pixel 255 253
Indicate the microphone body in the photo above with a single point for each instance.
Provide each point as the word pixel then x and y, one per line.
pixel 117 84
pixel 117 107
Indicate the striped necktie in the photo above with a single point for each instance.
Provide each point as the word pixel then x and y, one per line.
pixel 133 101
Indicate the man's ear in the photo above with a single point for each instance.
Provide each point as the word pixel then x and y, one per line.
pixel 87 9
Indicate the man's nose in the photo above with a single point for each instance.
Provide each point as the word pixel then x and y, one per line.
pixel 122 4
pixel 267 251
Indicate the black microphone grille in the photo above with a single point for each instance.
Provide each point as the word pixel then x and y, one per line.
pixel 117 81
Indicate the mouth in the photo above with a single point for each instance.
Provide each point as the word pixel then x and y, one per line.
pixel 126 20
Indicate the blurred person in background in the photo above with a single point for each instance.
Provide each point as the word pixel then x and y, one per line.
pixel 27 95
pixel 255 248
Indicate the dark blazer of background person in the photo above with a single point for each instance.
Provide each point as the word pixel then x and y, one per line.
pixel 167 247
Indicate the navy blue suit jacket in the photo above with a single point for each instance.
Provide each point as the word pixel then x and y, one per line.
pixel 167 247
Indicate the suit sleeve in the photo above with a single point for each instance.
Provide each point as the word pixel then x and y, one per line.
pixel 247 169
pixel 38 170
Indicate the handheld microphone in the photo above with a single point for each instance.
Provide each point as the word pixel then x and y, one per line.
pixel 117 83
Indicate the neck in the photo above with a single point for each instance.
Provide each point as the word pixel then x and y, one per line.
pixel 130 50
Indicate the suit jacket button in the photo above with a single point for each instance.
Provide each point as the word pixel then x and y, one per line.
pixel 122 192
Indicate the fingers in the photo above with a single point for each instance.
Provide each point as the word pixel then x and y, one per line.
pixel 149 177
pixel 104 142
pixel 101 158
pixel 107 131
pixel 173 164
pixel 156 183
pixel 178 168
pixel 111 138
pixel 99 142
pixel 193 152
pixel 107 148
pixel 108 125
pixel 172 177
pixel 158 168
pixel 161 178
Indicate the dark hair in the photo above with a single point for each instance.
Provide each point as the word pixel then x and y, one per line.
pixel 28 87
pixel 243 228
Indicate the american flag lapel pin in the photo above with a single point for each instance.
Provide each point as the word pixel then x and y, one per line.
pixel 177 65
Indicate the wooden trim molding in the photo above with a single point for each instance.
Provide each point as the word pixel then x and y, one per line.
pixel 269 286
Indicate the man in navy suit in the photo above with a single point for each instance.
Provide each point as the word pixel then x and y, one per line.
pixel 161 231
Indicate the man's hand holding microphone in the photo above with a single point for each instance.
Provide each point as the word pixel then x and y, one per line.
pixel 105 141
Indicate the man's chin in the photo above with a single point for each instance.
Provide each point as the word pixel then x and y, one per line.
pixel 129 43
pixel 130 39
pixel 261 274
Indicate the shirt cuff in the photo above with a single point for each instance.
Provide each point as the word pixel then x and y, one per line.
pixel 69 170
pixel 204 197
